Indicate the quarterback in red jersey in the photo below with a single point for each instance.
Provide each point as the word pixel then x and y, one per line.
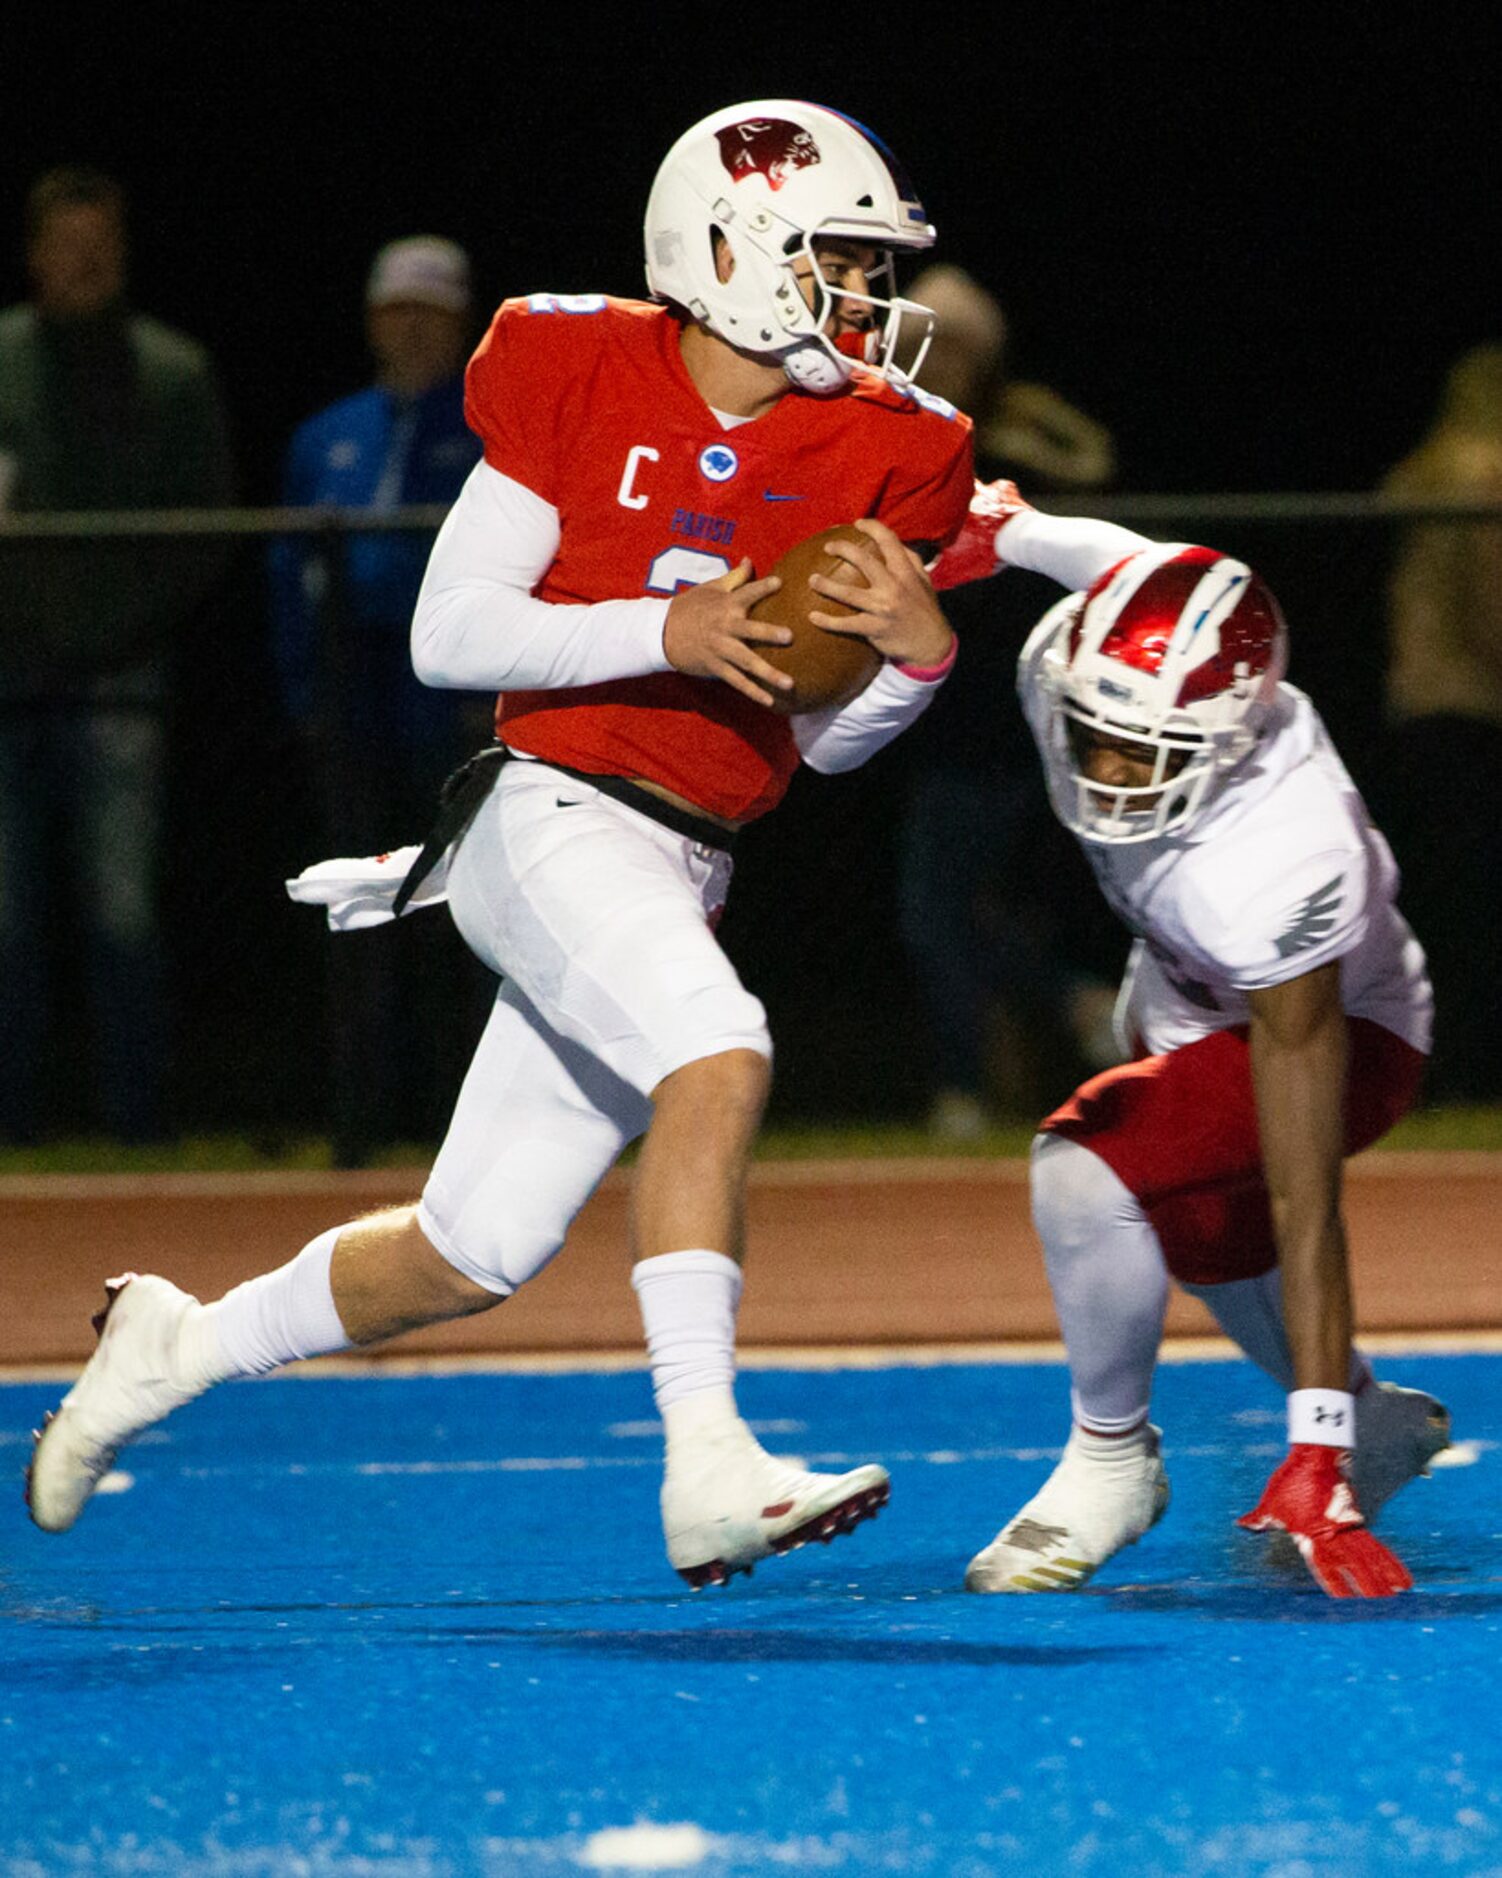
pixel 676 497
pixel 644 465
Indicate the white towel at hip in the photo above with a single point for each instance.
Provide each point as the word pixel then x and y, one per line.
pixel 359 892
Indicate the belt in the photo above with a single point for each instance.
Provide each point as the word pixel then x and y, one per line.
pixel 696 828
pixel 458 802
pixel 461 795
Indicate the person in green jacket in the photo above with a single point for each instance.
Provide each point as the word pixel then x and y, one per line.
pixel 101 408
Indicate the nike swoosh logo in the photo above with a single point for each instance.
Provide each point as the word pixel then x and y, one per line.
pixel 769 495
pixel 561 802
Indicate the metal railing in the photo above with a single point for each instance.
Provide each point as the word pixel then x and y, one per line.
pixel 1278 507
pixel 1335 577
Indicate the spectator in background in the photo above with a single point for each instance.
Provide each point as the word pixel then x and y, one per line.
pixel 1443 777
pixel 997 913
pixel 101 408
pixel 1016 421
pixel 380 743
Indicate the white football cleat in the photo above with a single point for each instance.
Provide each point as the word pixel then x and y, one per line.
pixel 133 1379
pixel 727 1503
pixel 1398 1433
pixel 1102 1496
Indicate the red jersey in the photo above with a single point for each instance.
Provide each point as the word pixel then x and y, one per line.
pixel 586 401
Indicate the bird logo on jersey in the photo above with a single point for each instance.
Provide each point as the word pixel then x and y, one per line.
pixel 1314 920
pixel 766 146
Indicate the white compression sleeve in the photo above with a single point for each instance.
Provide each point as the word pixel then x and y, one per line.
pixel 477 626
pixel 1250 1312
pixel 1071 549
pixel 832 741
pixel 1109 1282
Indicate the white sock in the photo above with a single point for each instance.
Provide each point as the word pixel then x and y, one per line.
pixel 1109 1283
pixel 688 1302
pixel 1250 1312
pixel 268 1321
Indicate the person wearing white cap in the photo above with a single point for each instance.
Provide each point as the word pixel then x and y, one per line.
pixel 417 313
pixel 379 743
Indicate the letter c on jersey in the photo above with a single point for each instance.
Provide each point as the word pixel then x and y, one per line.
pixel 638 453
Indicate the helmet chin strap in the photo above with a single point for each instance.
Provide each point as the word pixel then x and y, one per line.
pixel 811 368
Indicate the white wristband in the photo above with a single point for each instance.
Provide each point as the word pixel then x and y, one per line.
pixel 1325 1417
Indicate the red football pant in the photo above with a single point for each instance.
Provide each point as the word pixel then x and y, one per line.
pixel 1180 1132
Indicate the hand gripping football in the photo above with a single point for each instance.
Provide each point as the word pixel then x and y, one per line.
pixel 828 669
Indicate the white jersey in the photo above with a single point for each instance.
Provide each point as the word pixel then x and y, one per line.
pixel 1281 873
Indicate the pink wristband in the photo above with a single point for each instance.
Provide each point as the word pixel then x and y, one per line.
pixel 1324 1417
pixel 931 674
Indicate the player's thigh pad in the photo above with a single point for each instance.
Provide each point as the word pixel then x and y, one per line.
pixel 538 1123
pixel 601 917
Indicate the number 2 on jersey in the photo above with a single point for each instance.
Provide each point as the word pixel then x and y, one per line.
pixel 677 567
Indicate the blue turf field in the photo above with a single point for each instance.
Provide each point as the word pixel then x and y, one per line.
pixel 423 1626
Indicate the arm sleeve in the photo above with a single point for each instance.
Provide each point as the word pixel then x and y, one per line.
pixel 833 741
pixel 1071 549
pixel 478 627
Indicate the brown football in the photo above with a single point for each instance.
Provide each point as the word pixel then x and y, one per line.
pixel 827 668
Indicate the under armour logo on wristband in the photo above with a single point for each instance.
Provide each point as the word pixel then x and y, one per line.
pixel 1334 1416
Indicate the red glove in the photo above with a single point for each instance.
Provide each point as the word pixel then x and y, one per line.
pixel 972 554
pixel 1310 1498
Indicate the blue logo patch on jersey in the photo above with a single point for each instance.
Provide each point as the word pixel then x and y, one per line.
pixel 718 462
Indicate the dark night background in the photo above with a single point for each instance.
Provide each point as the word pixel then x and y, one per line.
pixel 1250 241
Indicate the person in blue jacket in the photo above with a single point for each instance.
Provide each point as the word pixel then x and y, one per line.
pixel 379 743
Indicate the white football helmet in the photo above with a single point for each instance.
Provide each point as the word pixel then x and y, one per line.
pixel 1178 650
pixel 773 177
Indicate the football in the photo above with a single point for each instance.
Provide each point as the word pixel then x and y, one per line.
pixel 827 668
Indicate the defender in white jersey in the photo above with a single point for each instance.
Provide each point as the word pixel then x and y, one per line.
pixel 1277 1013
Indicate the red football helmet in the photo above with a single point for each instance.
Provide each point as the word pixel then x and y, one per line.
pixel 1176 649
